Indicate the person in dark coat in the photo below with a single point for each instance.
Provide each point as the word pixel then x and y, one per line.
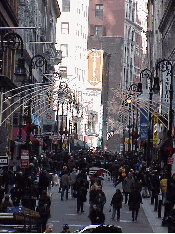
pixel 81 187
pixel 100 199
pixel 116 203
pixel 44 181
pixel 155 188
pixel 16 194
pixel 96 216
pixel 2 191
pixel 44 209
pixel 134 203
pixel 171 221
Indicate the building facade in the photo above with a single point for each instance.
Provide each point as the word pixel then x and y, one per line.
pixel 32 25
pixel 115 28
pixel 72 29
pixel 160 34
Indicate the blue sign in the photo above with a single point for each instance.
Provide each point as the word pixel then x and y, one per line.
pixel 143 124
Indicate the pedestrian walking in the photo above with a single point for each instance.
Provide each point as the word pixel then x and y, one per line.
pixel 134 203
pixel 96 216
pixel 65 228
pixel 163 187
pixel 64 182
pixel 100 198
pixel 49 228
pixel 127 186
pixel 44 209
pixel 81 195
pixel 116 203
pixel 73 176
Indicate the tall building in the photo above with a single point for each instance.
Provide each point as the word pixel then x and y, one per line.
pixel 114 27
pixel 72 34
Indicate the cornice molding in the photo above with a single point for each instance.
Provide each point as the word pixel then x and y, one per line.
pixel 10 12
pixel 170 8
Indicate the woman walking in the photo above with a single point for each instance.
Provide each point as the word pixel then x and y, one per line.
pixel 134 203
pixel 116 203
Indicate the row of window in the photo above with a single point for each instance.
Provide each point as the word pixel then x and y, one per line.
pixel 78 72
pixel 65 30
pixel 98 9
pixel 66 8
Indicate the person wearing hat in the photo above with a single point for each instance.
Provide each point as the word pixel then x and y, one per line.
pixel 65 228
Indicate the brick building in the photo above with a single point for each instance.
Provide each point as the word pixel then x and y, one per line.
pixel 114 27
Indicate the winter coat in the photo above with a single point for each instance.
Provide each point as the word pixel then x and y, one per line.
pixel 136 184
pixel 127 185
pixel 155 184
pixel 100 200
pixel 116 201
pixel 134 200
pixel 65 180
pixel 72 177
pixel 81 194
pixel 97 217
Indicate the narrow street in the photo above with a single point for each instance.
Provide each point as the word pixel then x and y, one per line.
pixel 65 212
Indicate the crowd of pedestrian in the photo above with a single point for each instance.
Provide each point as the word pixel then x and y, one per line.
pixel 29 188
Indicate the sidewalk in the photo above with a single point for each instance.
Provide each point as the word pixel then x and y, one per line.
pixel 152 216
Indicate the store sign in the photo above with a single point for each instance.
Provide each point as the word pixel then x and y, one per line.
pixel 3 140
pixel 4 161
pixel 24 158
pixel 49 118
pixel 170 161
pixel 143 124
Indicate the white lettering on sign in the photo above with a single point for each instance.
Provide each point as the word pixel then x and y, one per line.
pixel 3 161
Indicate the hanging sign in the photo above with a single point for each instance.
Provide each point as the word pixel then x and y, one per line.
pixel 24 158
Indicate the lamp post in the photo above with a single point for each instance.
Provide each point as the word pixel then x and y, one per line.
pixel 129 101
pixel 149 75
pixel 13 41
pixel 37 61
pixel 134 89
pixel 165 66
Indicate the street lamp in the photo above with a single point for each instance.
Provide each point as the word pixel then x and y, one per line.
pixel 37 61
pixel 13 41
pixel 154 88
pixel 133 90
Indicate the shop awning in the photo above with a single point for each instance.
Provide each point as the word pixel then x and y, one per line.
pixel 24 134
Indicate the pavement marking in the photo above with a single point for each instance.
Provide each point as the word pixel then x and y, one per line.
pixel 77 225
pixel 125 221
pixel 70 214
pixel 54 221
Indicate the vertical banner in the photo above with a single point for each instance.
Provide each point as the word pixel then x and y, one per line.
pixel 143 124
pixel 3 140
pixel 155 121
pixel 95 68
pixel 166 73
pixel 24 158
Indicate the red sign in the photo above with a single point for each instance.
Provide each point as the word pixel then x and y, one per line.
pixel 170 161
pixel 24 158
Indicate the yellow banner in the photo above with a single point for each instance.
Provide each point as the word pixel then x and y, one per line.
pixel 155 120
pixel 95 68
